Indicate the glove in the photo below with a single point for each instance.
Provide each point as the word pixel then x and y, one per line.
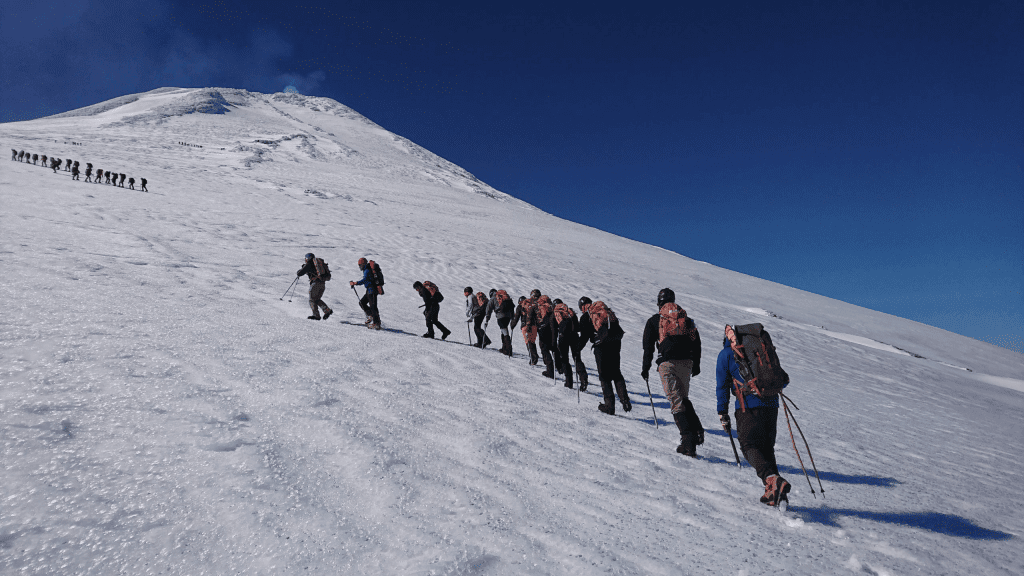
pixel 645 374
pixel 696 370
pixel 726 423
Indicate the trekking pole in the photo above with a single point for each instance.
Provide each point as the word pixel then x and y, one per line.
pixel 786 402
pixel 651 398
pixel 798 457
pixel 289 288
pixel 357 297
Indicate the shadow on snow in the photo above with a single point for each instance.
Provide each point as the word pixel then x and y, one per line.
pixel 946 524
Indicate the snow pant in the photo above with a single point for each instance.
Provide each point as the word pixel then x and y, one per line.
pixel 675 381
pixel 756 430
pixel 506 335
pixel 430 314
pixel 581 368
pixel 316 293
pixel 482 340
pixel 607 358
pixel 369 305
pixel 547 356
pixel 565 347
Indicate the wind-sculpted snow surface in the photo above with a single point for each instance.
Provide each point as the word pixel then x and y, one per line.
pixel 164 410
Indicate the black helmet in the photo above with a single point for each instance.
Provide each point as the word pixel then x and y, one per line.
pixel 310 256
pixel 535 293
pixel 666 295
pixel 468 290
pixel 492 292
pixel 556 301
pixel 417 285
pixel 584 301
pixel 521 298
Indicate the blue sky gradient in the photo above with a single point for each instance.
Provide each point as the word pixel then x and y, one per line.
pixel 874 148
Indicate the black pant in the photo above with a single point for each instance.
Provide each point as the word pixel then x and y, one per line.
pixel 756 429
pixel 565 349
pixel 609 372
pixel 481 336
pixel 431 317
pixel 547 356
pixel 369 305
pixel 581 368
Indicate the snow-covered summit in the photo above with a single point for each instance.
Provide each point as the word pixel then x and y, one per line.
pixel 164 408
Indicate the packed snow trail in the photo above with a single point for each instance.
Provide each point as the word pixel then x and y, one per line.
pixel 164 411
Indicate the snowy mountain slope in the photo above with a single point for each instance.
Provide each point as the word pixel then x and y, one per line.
pixel 164 410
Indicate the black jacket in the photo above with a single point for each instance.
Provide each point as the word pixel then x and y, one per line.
pixel 609 334
pixel 429 300
pixel 527 319
pixel 309 269
pixel 673 348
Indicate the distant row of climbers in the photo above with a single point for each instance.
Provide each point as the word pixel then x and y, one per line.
pixel 747 368
pixel 113 178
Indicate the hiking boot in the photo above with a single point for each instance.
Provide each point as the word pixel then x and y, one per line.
pixel 626 405
pixel 606 409
pixel 686 447
pixel 428 335
pixel 374 326
pixel 312 317
pixel 444 335
pixel 328 314
pixel 583 386
pixel 369 320
pixel 776 489
pixel 548 373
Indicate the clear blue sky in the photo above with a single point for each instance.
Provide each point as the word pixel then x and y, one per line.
pixel 873 149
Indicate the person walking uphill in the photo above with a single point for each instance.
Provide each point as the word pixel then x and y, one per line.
pixel 678 343
pixel 318 273
pixel 607 350
pixel 547 337
pixel 526 316
pixel 501 305
pixel 368 302
pixel 477 309
pixel 432 298
pixel 756 417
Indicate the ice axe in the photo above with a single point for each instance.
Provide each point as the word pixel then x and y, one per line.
pixel 651 398
pixel 733 442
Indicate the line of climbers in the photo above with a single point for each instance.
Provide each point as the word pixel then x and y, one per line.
pixel 112 178
pixel 671 342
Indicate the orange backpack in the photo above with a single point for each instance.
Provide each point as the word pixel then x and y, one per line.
pixel 434 291
pixel 674 322
pixel 600 314
pixel 543 307
pixel 502 297
pixel 562 312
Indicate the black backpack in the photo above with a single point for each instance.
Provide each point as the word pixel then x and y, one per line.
pixel 377 276
pixel 322 270
pixel 758 362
